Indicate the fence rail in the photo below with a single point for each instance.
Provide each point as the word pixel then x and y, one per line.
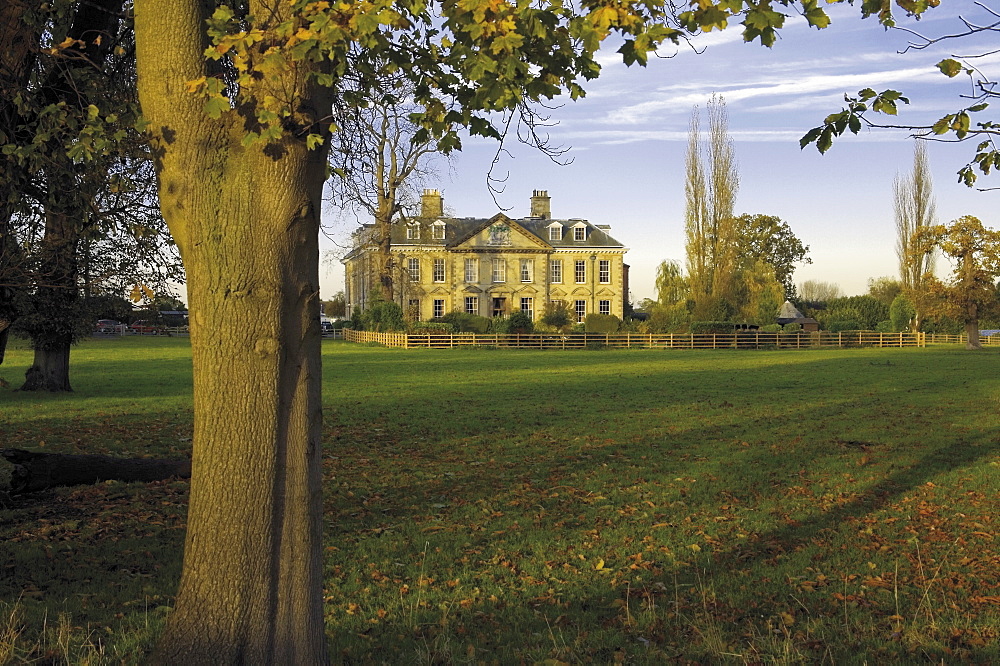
pixel 742 340
pixel 942 339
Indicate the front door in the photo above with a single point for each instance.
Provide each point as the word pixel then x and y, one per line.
pixel 499 307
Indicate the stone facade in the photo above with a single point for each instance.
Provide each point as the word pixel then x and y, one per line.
pixel 493 267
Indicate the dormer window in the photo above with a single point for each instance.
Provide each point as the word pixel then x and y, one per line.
pixel 555 232
pixel 412 231
pixel 580 233
pixel 437 230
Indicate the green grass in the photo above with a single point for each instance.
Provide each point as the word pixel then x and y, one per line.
pixel 589 506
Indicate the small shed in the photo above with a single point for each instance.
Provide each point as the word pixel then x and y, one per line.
pixel 789 314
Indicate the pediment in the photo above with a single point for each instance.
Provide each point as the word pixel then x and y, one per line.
pixel 440 290
pixel 557 293
pixel 472 289
pixel 526 290
pixel 500 233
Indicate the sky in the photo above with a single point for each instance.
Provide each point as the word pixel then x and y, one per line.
pixel 627 140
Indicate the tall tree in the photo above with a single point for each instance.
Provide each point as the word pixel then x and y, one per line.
pixel 971 292
pixel 915 209
pixel 710 228
pixel 767 238
pixel 696 214
pixel 816 291
pixel 72 165
pixel 763 294
pixel 378 161
pixel 671 285
pixel 884 289
pixel 725 184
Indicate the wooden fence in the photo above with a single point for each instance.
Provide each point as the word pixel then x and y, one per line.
pixel 742 340
pixel 941 339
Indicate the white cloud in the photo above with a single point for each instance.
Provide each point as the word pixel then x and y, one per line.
pixel 643 111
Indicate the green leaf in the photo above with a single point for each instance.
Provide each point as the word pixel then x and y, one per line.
pixel 314 141
pixel 942 125
pixel 825 140
pixel 215 106
pixel 249 139
pixel 810 136
pixel 950 67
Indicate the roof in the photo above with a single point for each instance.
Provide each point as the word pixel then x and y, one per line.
pixel 459 229
pixel 789 311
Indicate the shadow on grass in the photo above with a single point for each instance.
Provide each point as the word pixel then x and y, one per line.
pixel 469 507
pixel 470 472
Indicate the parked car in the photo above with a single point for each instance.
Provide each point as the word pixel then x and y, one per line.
pixel 326 326
pixel 107 326
pixel 143 327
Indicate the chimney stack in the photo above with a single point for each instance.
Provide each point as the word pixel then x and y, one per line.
pixel 431 204
pixel 540 204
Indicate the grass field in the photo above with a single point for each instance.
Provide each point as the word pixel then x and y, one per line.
pixel 505 506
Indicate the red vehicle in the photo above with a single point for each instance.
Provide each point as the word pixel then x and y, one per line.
pixel 143 327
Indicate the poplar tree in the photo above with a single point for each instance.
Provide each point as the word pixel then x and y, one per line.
pixel 915 209
pixel 711 231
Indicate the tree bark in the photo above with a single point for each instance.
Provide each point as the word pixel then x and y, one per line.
pixel 246 221
pixel 58 295
pixel 49 371
pixel 972 335
pixel 35 471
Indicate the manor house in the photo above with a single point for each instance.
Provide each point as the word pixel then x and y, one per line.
pixel 491 267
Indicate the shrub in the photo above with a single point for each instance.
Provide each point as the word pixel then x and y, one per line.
pixel 517 322
pixel 792 328
pixel 771 328
pixel 843 326
pixel 463 322
pixel 433 326
pixel 668 318
pixel 712 327
pixel 865 310
pixel 885 327
pixel 599 323
pixel 901 313
pixel 520 322
pixel 383 316
pixel 557 316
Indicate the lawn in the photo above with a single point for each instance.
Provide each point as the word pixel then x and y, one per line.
pixel 514 506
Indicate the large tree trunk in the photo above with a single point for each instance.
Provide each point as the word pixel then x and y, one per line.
pixel 972 341
pixel 35 471
pixel 49 371
pixel 57 296
pixel 384 253
pixel 246 221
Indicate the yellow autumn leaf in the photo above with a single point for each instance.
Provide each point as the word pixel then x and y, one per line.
pixel 787 619
pixel 193 86
pixel 599 565
pixel 695 547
